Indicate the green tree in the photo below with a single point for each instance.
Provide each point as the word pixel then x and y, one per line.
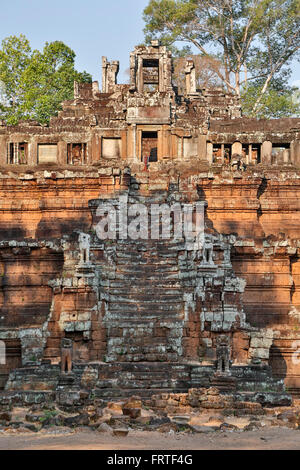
pixel 15 57
pixel 278 101
pixel 255 40
pixel 35 83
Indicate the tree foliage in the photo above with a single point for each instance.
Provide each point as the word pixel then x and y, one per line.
pixel 34 83
pixel 255 40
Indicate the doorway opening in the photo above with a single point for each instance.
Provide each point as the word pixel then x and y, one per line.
pixel 151 75
pixel 149 146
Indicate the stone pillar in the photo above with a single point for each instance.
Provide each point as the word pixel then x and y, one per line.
pixel 124 154
pixel 76 90
pixel 160 146
pixel 95 89
pixel 209 152
pixel 180 147
pixel 140 77
pixel 166 142
pixel 133 72
pixel 134 142
pixel 3 150
pixel 295 152
pixel 250 153
pixel 222 153
pixel 104 74
pixel 62 153
pixel 168 72
pixel 110 71
pixel 33 151
pixel 237 148
pixel 94 148
pixel 161 75
pixel 266 152
pixel 202 147
pixel 174 146
pixel 286 156
pixel 190 77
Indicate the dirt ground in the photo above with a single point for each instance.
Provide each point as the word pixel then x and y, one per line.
pixel 270 438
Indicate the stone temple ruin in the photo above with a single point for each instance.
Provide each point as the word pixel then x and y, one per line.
pixel 148 316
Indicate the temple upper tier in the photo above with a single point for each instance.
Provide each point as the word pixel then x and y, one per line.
pixel 149 119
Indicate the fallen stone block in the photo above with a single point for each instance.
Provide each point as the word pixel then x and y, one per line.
pixel 120 432
pixel 204 429
pixel 31 418
pixel 273 399
pixel 31 427
pixel 5 416
pixel 104 428
pixel 167 427
pixel 290 416
pixel 78 420
pixel 159 421
pixel 181 419
pixel 132 412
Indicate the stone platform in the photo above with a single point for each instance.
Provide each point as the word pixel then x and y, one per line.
pixel 121 380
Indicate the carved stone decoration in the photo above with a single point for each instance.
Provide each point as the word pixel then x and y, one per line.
pixel 84 247
pixel 66 355
pixel 207 254
pixel 223 351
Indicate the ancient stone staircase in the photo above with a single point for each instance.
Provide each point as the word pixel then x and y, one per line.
pixel 145 307
pixel 146 288
pixel 223 383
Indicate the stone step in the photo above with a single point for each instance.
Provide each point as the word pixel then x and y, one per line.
pixel 223 383
pixel 150 383
pixel 148 261
pixel 150 257
pixel 160 255
pixel 154 277
pixel 129 307
pixel 134 297
pixel 119 395
pixel 152 261
pixel 145 246
pixel 147 269
pixel 146 255
pixel 144 366
pixel 128 281
pixel 138 293
pixel 3 380
pixel 150 242
pixel 143 287
pixel 147 375
pixel 135 319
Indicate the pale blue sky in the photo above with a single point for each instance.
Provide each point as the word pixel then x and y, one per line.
pixel 92 28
